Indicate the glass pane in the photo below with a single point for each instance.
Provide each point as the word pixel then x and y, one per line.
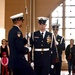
pixel 70 2
pixel 70 22
pixel 69 34
pixel 57 12
pixel 47 24
pixel 47 29
pixel 60 32
pixel 69 11
pixel 67 42
pixel 54 20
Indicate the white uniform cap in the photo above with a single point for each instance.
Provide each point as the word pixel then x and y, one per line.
pixel 20 15
pixel 55 24
pixel 43 18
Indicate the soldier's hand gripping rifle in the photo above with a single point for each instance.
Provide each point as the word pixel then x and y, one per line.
pixel 56 43
pixel 28 45
pixel 57 57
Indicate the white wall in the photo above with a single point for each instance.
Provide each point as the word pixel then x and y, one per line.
pixel 2 13
pixel 2 20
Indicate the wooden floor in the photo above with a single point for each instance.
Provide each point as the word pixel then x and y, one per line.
pixel 63 72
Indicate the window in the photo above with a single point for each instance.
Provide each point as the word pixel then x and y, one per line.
pixel 70 22
pixel 47 24
pixel 57 11
pixel 69 11
pixel 70 2
pixel 47 27
pixel 69 33
pixel 54 20
pixel 66 21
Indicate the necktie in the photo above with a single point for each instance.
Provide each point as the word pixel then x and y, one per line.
pixel 42 34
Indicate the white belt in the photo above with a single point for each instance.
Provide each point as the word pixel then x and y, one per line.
pixel 46 49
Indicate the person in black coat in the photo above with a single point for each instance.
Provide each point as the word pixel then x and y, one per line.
pixel 73 60
pixel 17 61
pixel 43 44
pixel 60 46
pixel 70 50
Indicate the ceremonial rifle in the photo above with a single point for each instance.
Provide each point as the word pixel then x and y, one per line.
pixel 27 30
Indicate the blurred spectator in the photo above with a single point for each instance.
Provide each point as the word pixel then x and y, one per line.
pixel 4 62
pixel 69 53
pixel 4 47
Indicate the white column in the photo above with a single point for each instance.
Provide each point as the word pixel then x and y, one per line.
pixel 2 20
pixel 2 13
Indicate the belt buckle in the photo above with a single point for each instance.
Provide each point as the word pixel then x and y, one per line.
pixel 42 51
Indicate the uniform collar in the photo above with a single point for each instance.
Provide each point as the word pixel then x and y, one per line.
pixel 17 27
pixel 43 32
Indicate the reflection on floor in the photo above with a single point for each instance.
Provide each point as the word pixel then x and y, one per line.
pixel 64 73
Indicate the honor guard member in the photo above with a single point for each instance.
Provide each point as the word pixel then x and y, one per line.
pixel 42 40
pixel 60 46
pixel 17 61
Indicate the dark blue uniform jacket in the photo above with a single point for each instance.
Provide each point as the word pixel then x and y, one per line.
pixel 17 49
pixel 38 43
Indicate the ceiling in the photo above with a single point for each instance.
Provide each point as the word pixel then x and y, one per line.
pixel 45 7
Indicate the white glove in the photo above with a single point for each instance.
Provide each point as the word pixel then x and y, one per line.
pixel 29 49
pixel 32 65
pixel 56 42
pixel 52 66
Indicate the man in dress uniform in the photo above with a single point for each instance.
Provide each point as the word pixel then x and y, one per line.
pixel 60 46
pixel 17 61
pixel 42 42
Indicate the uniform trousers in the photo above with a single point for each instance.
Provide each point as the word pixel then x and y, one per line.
pixel 42 63
pixel 42 70
pixel 57 68
pixel 25 69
